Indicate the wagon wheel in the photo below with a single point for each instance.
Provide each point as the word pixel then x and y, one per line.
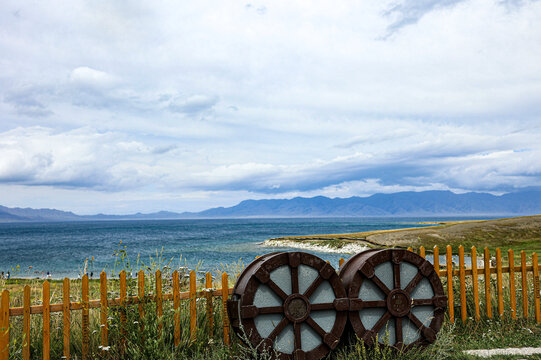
pixel 396 296
pixel 291 303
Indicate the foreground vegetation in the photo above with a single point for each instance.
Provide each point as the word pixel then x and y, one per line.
pixel 151 337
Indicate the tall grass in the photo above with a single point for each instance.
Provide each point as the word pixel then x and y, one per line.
pixel 143 338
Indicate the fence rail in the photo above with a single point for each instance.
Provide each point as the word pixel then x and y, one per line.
pixel 447 271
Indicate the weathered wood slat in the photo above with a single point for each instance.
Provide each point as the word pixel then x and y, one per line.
pixel 536 293
pixel 103 309
pixel 193 308
pixel 499 281
pixel 512 294
pixel 449 261
pixel 159 301
pixel 225 295
pixel 210 310
pixel 436 260
pixel 26 323
pixel 461 268
pixel 176 307
pixel 66 317
pixel 85 319
pixel 523 269
pixel 4 326
pixel 486 269
pixel 123 311
pixel 46 321
pixel 475 282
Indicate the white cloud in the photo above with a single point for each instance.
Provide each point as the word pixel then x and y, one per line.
pixel 296 98
pixel 85 76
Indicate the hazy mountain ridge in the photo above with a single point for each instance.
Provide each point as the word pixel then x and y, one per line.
pixel 424 203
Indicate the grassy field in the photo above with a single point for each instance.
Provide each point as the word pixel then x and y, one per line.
pixel 145 341
pixel 519 233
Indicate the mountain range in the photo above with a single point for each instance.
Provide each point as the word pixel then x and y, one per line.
pixel 425 203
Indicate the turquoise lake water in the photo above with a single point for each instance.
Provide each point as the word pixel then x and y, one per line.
pixel 61 248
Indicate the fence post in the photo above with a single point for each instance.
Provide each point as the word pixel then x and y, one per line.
pixel 436 260
pixel 193 308
pixel 84 316
pixel 4 326
pixel 475 282
pixel 123 311
pixel 488 300
pixel 159 302
pixel 340 262
pixel 536 294
pixel 66 315
pixel 422 252
pixel 524 273
pixel 26 323
pixel 141 296
pixel 225 317
pixel 210 319
pixel 176 306
pixel 512 295
pixel 46 321
pixel 499 281
pixel 449 260
pixel 462 272
pixel 103 310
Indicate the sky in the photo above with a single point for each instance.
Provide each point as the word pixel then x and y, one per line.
pixel 121 107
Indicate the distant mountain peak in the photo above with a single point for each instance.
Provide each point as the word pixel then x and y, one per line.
pixel 407 203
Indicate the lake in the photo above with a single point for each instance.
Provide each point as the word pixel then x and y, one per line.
pixel 61 248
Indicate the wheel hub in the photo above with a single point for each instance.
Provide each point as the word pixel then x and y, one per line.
pixel 297 308
pixel 398 302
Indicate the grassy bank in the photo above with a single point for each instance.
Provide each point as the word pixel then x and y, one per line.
pixel 519 233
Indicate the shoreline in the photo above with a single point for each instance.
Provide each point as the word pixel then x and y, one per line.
pixel 347 248
pixel 517 233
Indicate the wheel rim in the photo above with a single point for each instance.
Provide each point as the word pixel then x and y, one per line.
pixel 395 296
pixel 292 303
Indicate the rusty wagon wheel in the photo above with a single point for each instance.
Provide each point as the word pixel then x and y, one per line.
pixel 395 295
pixel 291 303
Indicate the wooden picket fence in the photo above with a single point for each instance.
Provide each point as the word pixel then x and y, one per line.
pixel 66 307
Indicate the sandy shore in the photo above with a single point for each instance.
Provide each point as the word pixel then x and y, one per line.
pixel 345 249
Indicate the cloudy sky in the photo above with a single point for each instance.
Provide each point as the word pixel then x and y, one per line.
pixel 119 107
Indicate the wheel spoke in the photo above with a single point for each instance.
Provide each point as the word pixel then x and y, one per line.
pixel 398 333
pixel 415 320
pixel 413 283
pixel 297 330
pixel 278 329
pixel 277 289
pixel 374 303
pixel 294 280
pixel 270 310
pixel 314 325
pixel 313 286
pixel 381 322
pixel 358 304
pixel 381 285
pixel 321 306
pixel 396 275
pixel 419 302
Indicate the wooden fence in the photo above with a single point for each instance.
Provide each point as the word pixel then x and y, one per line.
pixel 448 272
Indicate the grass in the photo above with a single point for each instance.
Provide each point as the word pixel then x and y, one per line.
pixel 520 233
pixel 144 340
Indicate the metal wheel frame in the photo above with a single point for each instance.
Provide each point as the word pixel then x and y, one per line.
pixel 398 302
pixel 296 307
